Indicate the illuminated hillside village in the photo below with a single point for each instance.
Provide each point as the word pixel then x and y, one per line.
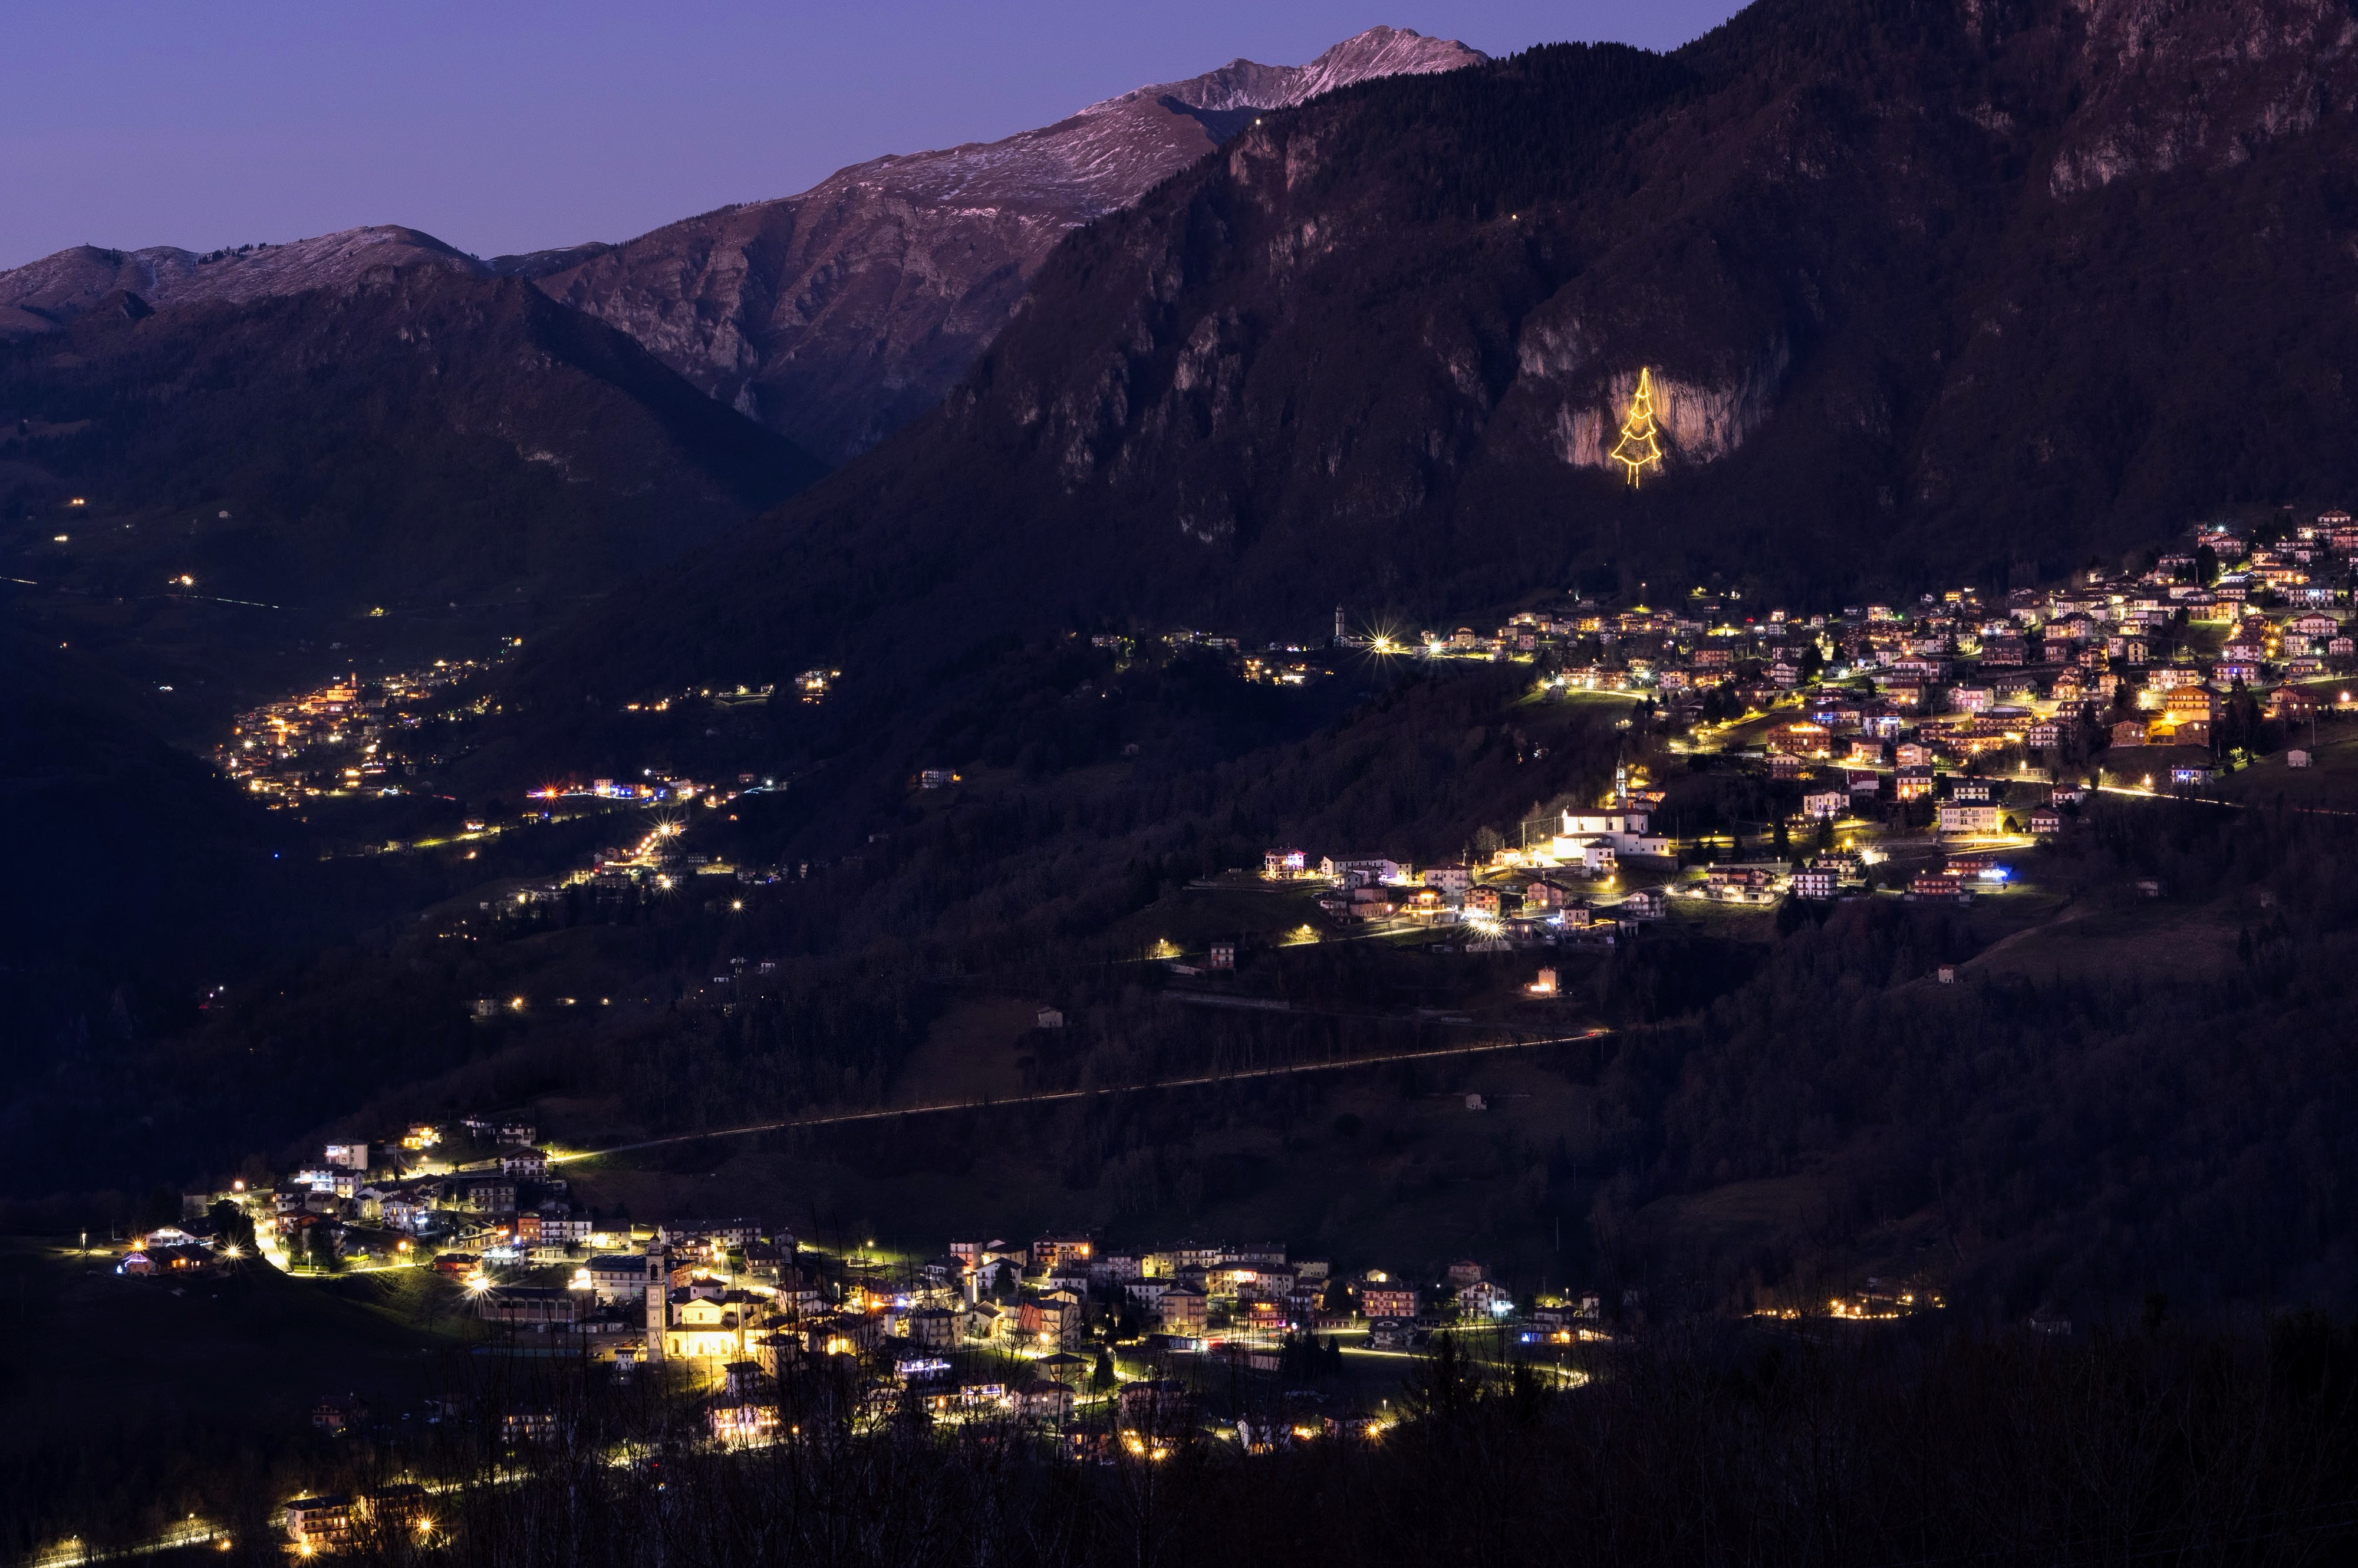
pixel 339 738
pixel 1088 1343
pixel 1920 747
pixel 1954 716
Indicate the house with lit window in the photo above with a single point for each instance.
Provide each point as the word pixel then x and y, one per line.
pixel 319 1524
pixel 935 1328
pixel 484 1194
pixel 1740 884
pixel 499 1129
pixel 713 1234
pixel 1055 1319
pixel 1813 884
pixel 566 1227
pixel 615 1278
pixel 1056 1252
pixel 840 1333
pixel 2292 702
pixel 983 1321
pixel 1045 1399
pixel 1648 903
pixel 1184 1309
pixel 1253 1281
pixel 1544 895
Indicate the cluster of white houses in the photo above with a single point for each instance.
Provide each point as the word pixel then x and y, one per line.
pixel 1569 891
pixel 1909 714
pixel 1568 882
pixel 2278 598
pixel 737 1289
pixel 730 1291
pixel 745 1301
pixel 2279 603
pixel 743 1306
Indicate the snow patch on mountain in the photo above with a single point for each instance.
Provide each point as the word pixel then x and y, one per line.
pixel 56 288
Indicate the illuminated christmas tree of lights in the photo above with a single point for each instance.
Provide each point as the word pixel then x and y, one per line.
pixel 1639 448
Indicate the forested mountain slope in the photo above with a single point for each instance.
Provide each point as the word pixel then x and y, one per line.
pixel 416 436
pixel 838 314
pixel 1930 290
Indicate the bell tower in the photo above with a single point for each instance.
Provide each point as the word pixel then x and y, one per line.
pixel 658 1300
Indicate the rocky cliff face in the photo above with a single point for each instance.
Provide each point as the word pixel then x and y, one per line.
pixel 1375 352
pixel 2175 85
pixel 1887 336
pixel 836 316
pixel 1698 421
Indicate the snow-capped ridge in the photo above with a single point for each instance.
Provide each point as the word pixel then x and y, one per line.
pixel 1248 84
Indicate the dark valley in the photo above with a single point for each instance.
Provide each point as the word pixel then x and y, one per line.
pixel 1597 802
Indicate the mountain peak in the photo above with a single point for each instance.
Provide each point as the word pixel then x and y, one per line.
pixel 47 292
pixel 1248 84
pixel 833 316
pixel 837 315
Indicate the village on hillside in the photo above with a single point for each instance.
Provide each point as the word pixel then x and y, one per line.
pixel 1909 748
pixel 1084 1343
pixel 1914 752
pixel 1956 718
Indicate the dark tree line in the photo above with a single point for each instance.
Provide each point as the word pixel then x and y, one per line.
pixel 1919 1446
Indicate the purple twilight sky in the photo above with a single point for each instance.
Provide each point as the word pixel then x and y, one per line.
pixel 515 126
